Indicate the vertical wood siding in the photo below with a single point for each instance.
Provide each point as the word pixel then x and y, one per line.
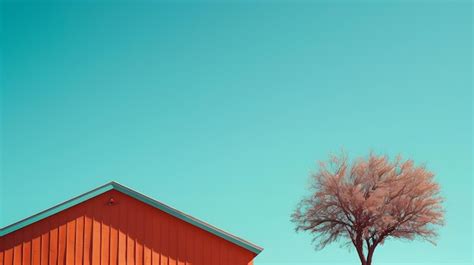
pixel 129 233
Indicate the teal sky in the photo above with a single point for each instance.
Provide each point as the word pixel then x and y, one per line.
pixel 222 109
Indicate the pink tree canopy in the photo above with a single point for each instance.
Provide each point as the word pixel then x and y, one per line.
pixel 368 201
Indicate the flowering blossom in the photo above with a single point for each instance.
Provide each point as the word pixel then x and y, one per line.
pixel 365 202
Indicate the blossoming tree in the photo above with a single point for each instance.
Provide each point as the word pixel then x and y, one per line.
pixel 369 201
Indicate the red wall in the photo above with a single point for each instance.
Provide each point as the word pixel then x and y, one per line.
pixel 129 232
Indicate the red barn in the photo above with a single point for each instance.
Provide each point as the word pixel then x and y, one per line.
pixel 114 225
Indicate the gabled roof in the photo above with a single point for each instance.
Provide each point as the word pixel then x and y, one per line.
pixel 143 198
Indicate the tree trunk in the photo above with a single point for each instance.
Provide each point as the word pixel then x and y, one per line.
pixel 360 252
pixel 363 259
pixel 370 253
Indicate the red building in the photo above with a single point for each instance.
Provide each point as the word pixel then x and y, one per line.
pixel 114 225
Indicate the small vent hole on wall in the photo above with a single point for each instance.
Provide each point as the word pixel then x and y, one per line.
pixel 111 202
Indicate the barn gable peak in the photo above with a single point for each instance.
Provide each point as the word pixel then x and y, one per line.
pixel 138 196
